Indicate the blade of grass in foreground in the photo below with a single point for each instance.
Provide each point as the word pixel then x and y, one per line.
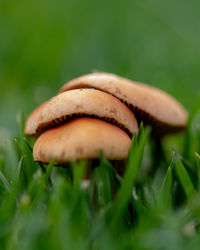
pixel 47 176
pixel 19 167
pixel 126 188
pixel 42 182
pixel 184 179
pixel 5 181
pixel 198 168
pixel 18 148
pixel 28 144
pixel 165 194
pixel 79 171
pixel 102 175
pixel 188 134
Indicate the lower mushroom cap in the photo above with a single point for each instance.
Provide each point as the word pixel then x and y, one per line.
pixel 82 138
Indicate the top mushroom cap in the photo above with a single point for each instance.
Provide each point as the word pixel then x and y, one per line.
pixel 150 105
pixel 80 102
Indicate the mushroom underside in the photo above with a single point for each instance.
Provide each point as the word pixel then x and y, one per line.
pixel 64 119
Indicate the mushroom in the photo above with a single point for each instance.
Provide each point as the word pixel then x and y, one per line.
pixel 150 105
pixel 78 103
pixel 82 138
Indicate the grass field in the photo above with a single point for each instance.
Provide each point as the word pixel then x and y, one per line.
pixel 47 207
pixel 43 44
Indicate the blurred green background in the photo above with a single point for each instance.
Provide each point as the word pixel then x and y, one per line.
pixel 45 43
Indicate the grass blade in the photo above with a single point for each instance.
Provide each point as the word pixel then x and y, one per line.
pixel 102 176
pixel 133 166
pixel 198 168
pixel 165 194
pixel 28 144
pixel 5 181
pixel 19 167
pixel 79 169
pixel 184 179
pixel 188 135
pixel 46 177
pixel 18 148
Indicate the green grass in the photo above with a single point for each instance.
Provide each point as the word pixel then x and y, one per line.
pixel 48 207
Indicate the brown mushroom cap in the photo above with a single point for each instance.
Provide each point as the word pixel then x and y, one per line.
pixel 82 138
pixel 150 105
pixel 81 102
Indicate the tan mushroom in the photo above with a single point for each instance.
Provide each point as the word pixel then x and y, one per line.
pixel 77 103
pixel 150 105
pixel 82 138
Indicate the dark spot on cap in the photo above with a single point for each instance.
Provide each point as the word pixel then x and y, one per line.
pixel 118 91
pixel 113 110
pixel 79 150
pixel 78 106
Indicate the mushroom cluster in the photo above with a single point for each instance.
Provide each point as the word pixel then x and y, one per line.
pixel 100 112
